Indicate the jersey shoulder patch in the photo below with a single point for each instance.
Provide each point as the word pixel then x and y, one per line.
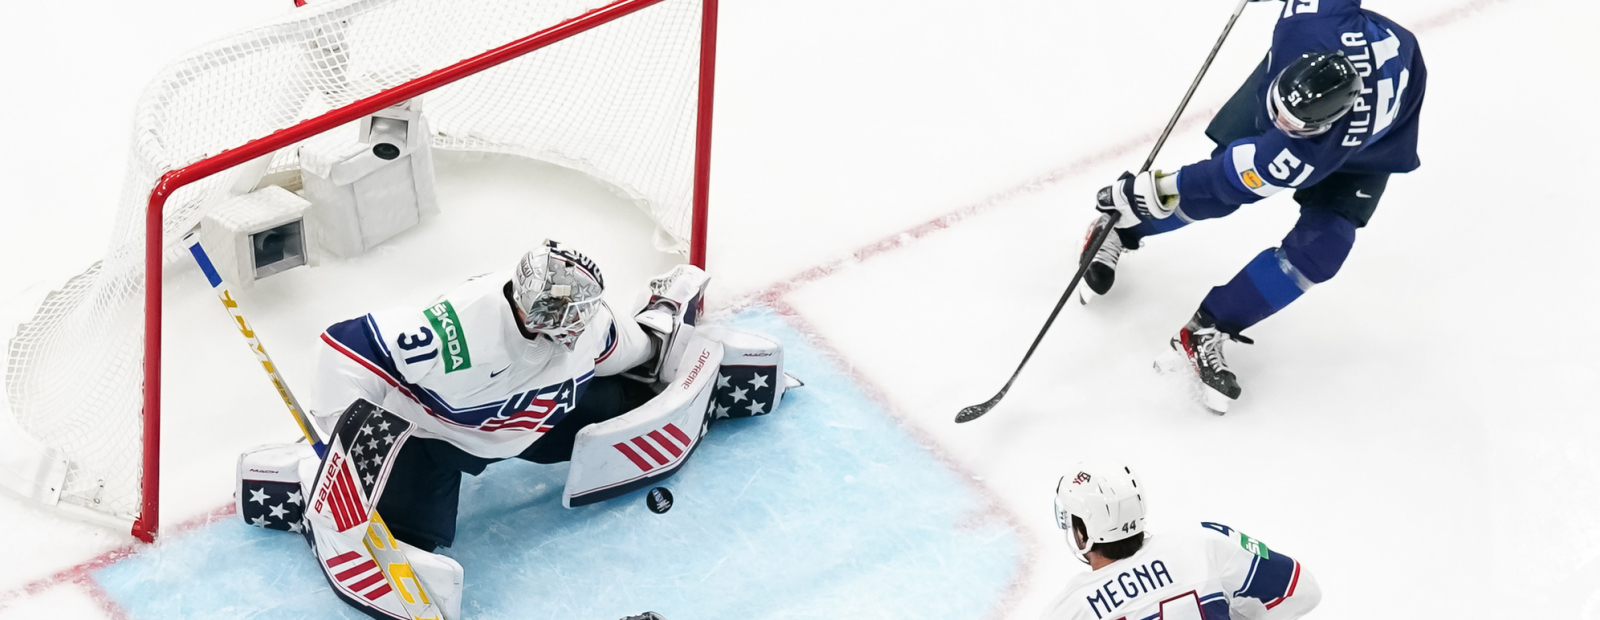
pixel 1244 541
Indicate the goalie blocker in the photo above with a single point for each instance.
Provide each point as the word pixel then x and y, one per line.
pixel 375 466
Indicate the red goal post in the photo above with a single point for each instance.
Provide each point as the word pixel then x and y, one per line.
pixel 638 170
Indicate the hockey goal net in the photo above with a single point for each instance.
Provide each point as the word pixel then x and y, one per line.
pixel 619 89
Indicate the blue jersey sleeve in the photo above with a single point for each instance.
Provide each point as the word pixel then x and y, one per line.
pixel 1385 54
pixel 1254 168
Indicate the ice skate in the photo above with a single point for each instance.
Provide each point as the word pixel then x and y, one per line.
pixel 1102 266
pixel 1201 344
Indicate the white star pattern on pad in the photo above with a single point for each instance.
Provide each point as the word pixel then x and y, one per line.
pixel 722 380
pixel 294 497
pixel 295 527
pixel 755 407
pixel 369 478
pixel 759 382
pixel 258 496
pixel 384 426
pixel 278 511
pixel 722 412
pixel 259 522
pixel 738 394
pixel 366 430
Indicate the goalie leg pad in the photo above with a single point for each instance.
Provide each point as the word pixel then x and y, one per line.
pixel 271 493
pixel 751 381
pixel 650 443
pixel 363 562
pixel 385 578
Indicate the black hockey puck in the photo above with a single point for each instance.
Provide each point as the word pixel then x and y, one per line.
pixel 659 500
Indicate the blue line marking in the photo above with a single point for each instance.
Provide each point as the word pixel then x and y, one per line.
pixel 824 509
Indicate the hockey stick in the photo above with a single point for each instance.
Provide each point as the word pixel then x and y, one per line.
pixel 391 559
pixel 1103 229
pixel 192 240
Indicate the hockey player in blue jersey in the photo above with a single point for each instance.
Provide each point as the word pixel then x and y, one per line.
pixel 1206 571
pixel 1329 115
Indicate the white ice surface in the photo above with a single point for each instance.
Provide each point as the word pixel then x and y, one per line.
pixel 1419 431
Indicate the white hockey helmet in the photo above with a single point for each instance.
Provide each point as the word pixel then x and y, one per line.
pixel 1106 497
pixel 558 291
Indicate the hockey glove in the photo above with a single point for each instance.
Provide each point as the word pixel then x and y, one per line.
pixel 1136 198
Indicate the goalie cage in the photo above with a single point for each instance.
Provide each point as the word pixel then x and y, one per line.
pixel 619 89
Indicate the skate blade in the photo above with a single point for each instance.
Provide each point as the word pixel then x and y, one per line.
pixel 1216 401
pixel 1176 363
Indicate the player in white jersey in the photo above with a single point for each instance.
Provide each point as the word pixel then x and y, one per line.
pixel 1210 572
pixel 524 364
pixel 458 368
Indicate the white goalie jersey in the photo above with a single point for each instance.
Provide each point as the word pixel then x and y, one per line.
pixel 1210 572
pixel 464 371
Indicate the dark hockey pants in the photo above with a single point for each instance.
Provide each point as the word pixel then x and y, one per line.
pixel 423 492
pixel 1312 252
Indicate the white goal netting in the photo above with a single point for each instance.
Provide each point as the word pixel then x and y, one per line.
pixel 618 101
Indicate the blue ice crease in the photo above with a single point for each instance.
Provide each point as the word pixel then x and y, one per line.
pixel 823 509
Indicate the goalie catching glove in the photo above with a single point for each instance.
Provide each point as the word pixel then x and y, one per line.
pixel 668 318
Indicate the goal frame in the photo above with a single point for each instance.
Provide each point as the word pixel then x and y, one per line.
pixel 147 524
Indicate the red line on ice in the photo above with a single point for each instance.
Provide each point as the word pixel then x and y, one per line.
pixel 83 574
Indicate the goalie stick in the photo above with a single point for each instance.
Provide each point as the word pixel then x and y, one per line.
pixel 1103 228
pixel 220 287
pixel 392 558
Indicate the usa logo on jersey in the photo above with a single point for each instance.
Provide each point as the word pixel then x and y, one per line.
pixel 536 411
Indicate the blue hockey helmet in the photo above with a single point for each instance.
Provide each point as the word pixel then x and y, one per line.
pixel 1313 93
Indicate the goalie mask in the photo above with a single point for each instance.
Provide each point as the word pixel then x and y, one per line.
pixel 557 291
pixel 1107 498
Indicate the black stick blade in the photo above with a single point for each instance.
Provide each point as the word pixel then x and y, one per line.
pixel 976 411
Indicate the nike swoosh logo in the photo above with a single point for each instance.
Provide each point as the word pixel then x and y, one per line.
pixel 497 372
pixel 1361 194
